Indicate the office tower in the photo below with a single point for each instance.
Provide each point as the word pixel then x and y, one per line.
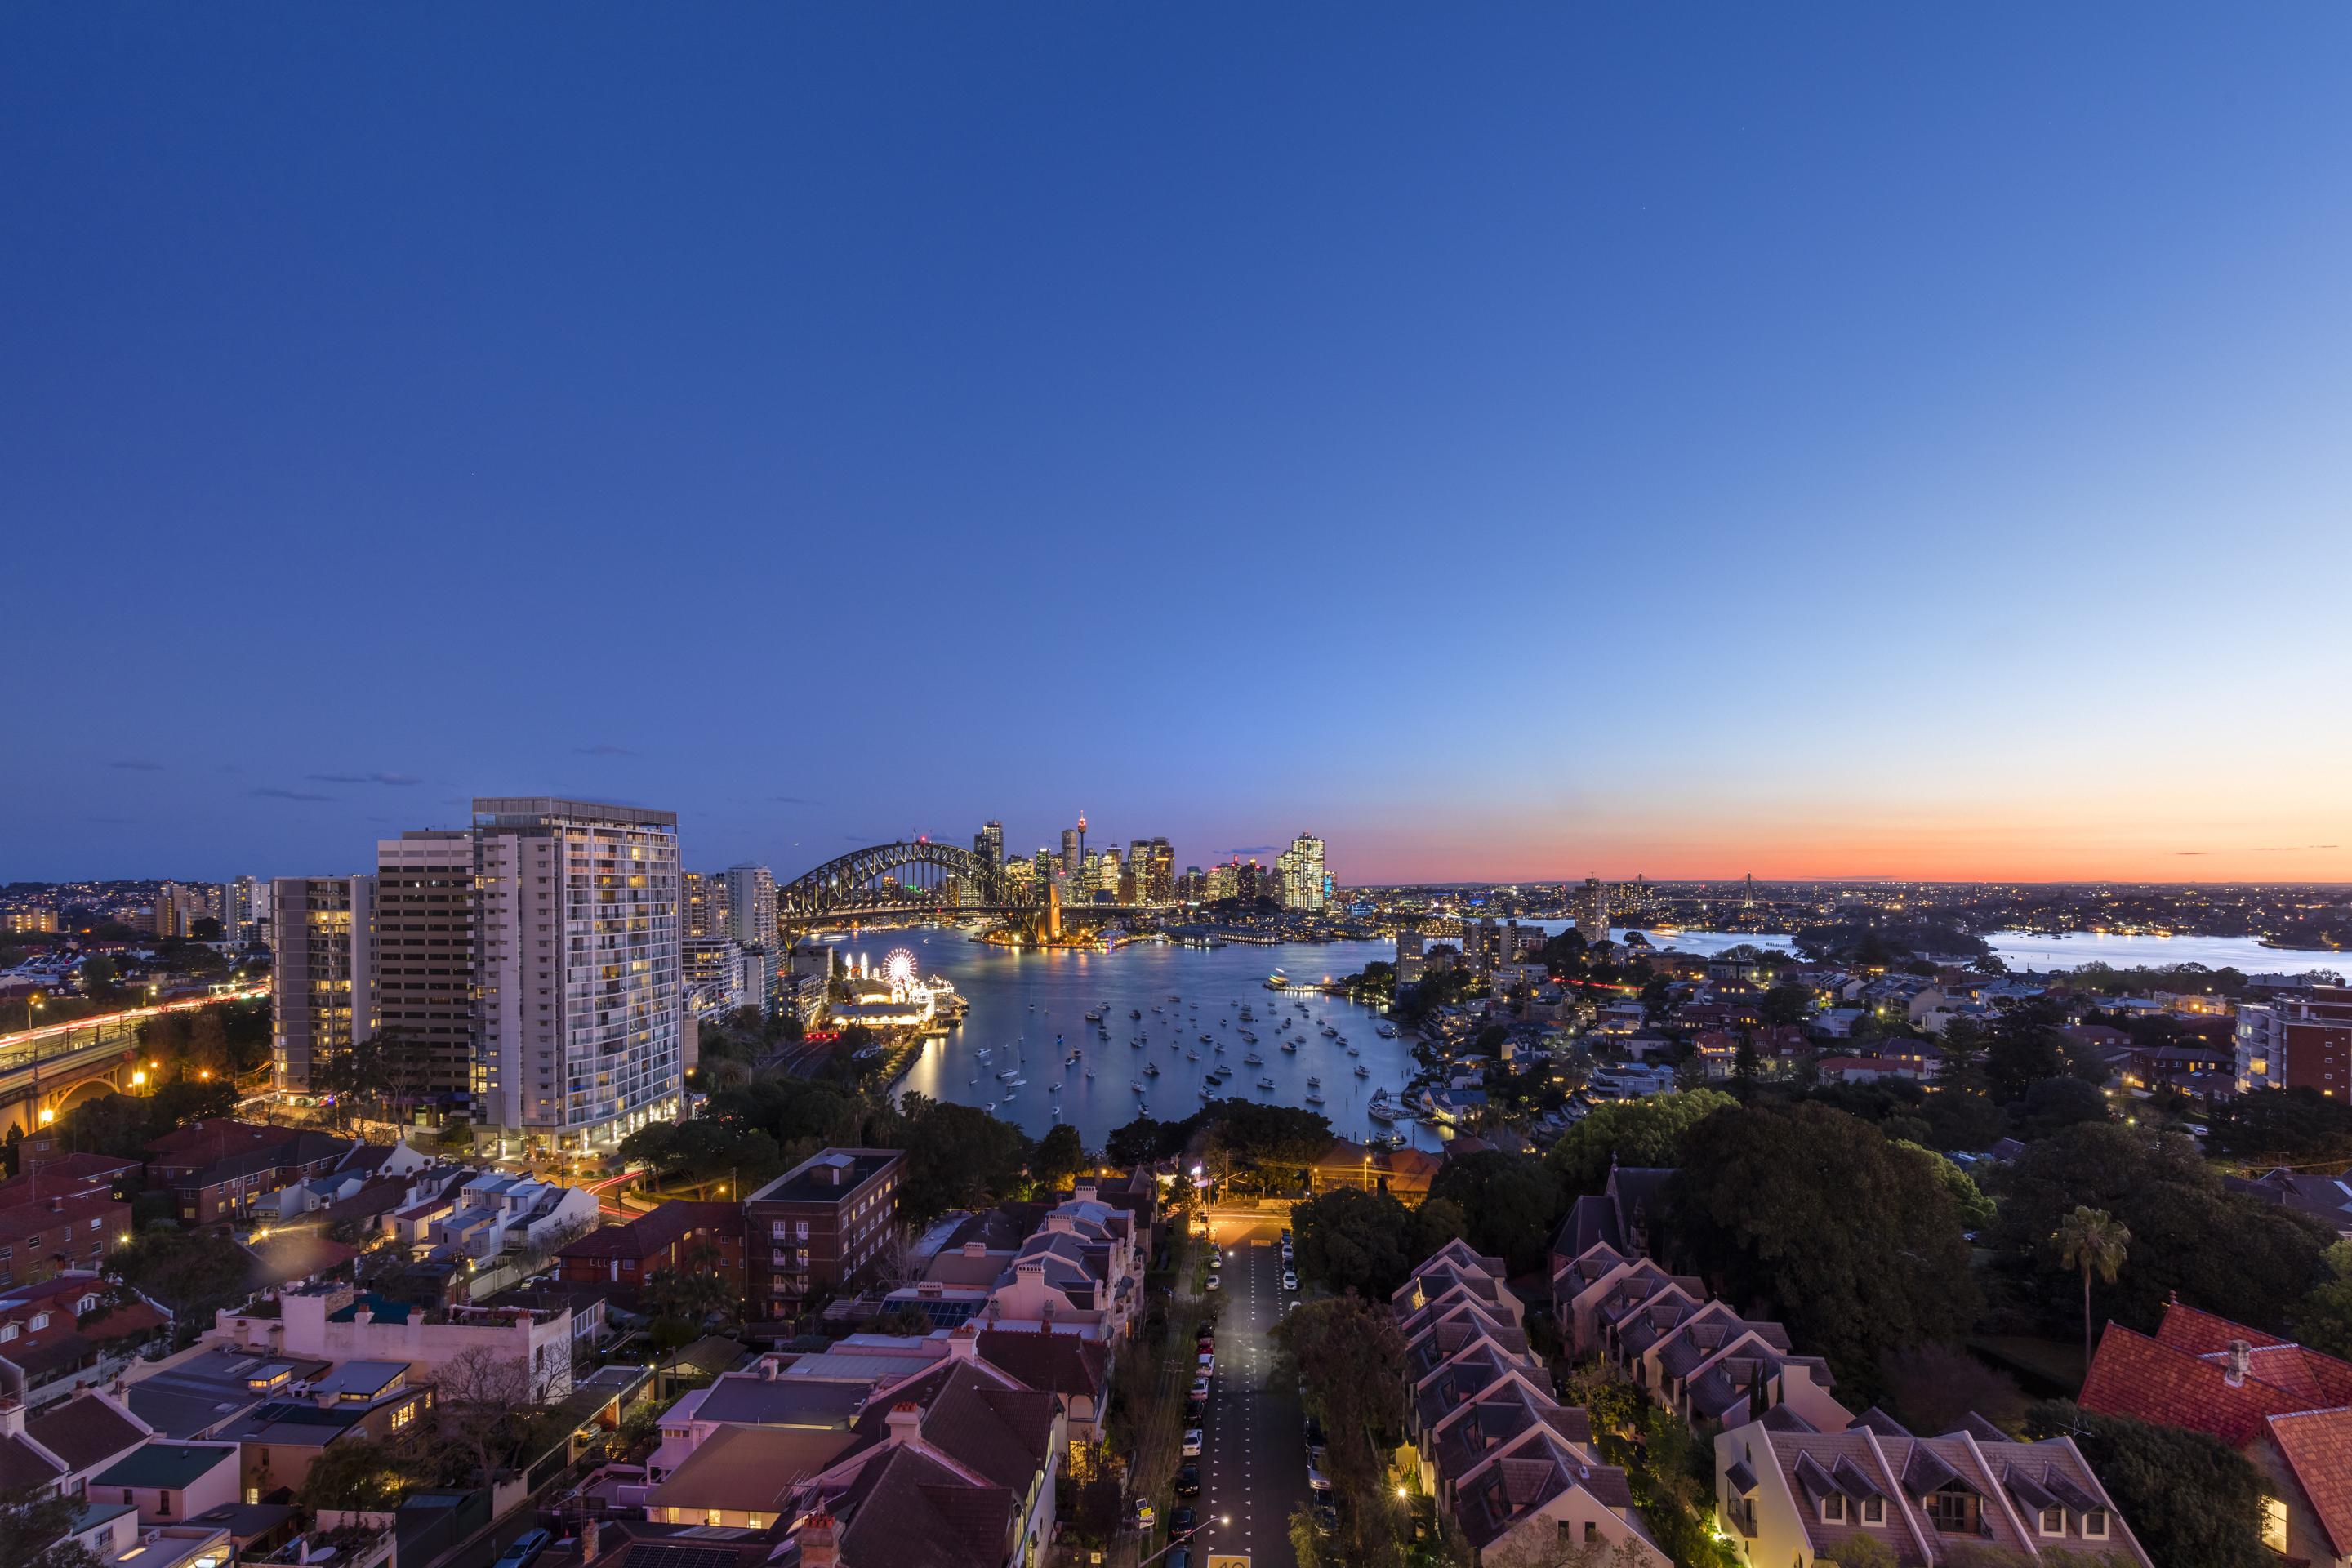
pixel 578 934
pixel 425 966
pixel 1249 880
pixel 1021 873
pixel 989 845
pixel 751 905
pixel 1154 865
pixel 1071 864
pixel 1219 882
pixel 1046 865
pixel 323 982
pixel 240 918
pixel 1592 912
pixel 1300 869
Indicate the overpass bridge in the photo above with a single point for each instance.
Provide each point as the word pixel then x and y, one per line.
pixel 47 1070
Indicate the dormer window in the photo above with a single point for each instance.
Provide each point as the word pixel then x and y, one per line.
pixel 2094 1524
pixel 40 1322
pixel 1834 1508
pixel 1873 1511
pixel 2054 1521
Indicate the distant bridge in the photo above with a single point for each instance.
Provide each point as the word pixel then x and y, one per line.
pixel 914 879
pixel 46 1071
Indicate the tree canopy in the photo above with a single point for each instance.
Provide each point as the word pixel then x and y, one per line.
pixel 1635 1133
pixel 1512 1202
pixel 2286 1126
pixel 1351 1240
pixel 2221 1252
pixel 2193 1500
pixel 1853 1241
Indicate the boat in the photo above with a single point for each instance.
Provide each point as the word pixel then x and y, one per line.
pixel 1191 1056
pixel 1290 1045
pixel 1054 1086
pixel 1381 1111
pixel 1329 1032
pixel 1095 1015
pixel 1140 1087
pixel 1220 1048
pixel 1151 1069
pixel 1018 1083
pixel 1205 1094
pixel 1008 1075
pixel 1204 1039
pixel 1363 1071
pixel 1315 1083
pixel 1138 1012
pixel 1313 1097
pixel 1265 1083
pixel 1253 1060
pixel 1090 1072
pixel 1385 1031
pixel 1354 1052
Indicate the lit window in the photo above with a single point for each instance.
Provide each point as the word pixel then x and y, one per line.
pixel 2273 1523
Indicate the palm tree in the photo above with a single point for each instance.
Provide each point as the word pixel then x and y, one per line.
pixel 2091 1239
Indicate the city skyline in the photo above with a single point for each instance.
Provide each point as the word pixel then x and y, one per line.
pixel 1819 445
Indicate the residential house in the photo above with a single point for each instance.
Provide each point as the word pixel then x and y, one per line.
pixel 45 1351
pixel 2286 1408
pixel 1073 1369
pixel 1788 1495
pixel 62 1445
pixel 168 1483
pixel 335 1323
pixel 57 1234
pixel 1405 1175
pixel 493 1213
pixel 282 1436
pixel 2327 1199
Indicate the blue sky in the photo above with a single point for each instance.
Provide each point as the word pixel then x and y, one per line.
pixel 1822 440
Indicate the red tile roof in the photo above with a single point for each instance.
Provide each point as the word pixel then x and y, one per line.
pixel 2201 1333
pixel 2318 1448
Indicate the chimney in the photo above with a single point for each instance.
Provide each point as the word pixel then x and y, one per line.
pixel 904 1421
pixel 1083 1193
pixel 2241 1356
pixel 11 1417
pixel 975 1249
pixel 963 1343
pixel 819 1548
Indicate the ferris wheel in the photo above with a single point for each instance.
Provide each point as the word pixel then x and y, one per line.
pixel 899 968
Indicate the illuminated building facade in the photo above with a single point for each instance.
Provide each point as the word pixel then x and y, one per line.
pixel 323 982
pixel 1299 874
pixel 579 946
pixel 425 961
pixel 751 906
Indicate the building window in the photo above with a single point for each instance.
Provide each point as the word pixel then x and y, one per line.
pixel 1953 1512
pixel 1833 1509
pixel 1873 1511
pixel 2094 1524
pixel 2273 1523
pixel 2054 1521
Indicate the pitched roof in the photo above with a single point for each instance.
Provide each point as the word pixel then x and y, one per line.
pixel 84 1430
pixel 907 1509
pixel 2163 1380
pixel 657 1229
pixel 2318 1447
pixel 1058 1364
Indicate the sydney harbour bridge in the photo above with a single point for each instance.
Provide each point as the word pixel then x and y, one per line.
pixel 910 879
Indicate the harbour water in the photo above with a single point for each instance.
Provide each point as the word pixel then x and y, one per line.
pixel 1028 1012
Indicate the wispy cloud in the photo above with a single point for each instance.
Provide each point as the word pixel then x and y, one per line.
pixel 794 800
pixel 2190 852
pixel 290 794
pixel 2288 848
pixel 136 765
pixel 1256 849
pixel 364 778
pixel 605 749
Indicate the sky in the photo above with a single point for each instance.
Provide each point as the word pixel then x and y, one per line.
pixel 1507 441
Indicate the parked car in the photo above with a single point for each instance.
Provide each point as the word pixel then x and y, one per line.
pixel 1201 1386
pixel 525 1550
pixel 1181 1558
pixel 1214 1284
pixel 1207 1364
pixel 1181 1523
pixel 1192 1442
pixel 1188 1481
pixel 1289 1281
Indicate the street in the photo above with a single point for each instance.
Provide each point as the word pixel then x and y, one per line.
pixel 1254 1455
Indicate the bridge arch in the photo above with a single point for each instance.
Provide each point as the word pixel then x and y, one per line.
pixel 907 875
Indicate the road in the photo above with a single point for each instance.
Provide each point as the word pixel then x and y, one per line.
pixel 1253 1451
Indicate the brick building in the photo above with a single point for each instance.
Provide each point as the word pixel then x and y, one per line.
pixel 821 1225
pixel 666 1238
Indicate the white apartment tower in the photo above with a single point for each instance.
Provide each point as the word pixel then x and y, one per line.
pixel 323 982
pixel 1299 872
pixel 578 943
pixel 751 905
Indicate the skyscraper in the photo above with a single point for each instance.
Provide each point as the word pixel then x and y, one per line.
pixel 703 896
pixel 1299 870
pixel 425 976
pixel 240 912
pixel 175 909
pixel 322 979
pixel 751 905
pixel 580 950
pixel 1071 863
pixel 988 844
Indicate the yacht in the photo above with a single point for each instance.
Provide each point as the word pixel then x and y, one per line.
pixel 1095 1015
pixel 1191 1056
pixel 1054 1086
pixel 1253 1060
pixel 1151 1069
pixel 1008 1075
pixel 1220 1048
pixel 1090 1072
pixel 1204 1039
pixel 1138 1012
pixel 1018 1083
pixel 1329 1032
pixel 1290 1045
pixel 1140 1087
pixel 1379 1109
pixel 1313 1097
pixel 1315 1083
pixel 1363 1071
pixel 1265 1083
pixel 1385 1031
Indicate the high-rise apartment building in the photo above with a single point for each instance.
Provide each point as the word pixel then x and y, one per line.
pixel 703 896
pixel 1220 882
pixel 1299 870
pixel 988 844
pixel 1592 910
pixel 241 901
pixel 426 1006
pixel 751 905
pixel 1071 865
pixel 579 940
pixel 322 980
pixel 175 909
pixel 2298 1039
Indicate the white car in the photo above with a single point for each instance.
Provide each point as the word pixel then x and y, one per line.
pixel 1193 1443
pixel 1208 1363
pixel 1212 1283
pixel 1289 1281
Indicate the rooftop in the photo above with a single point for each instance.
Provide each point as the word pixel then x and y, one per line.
pixel 168 1465
pixel 828 1176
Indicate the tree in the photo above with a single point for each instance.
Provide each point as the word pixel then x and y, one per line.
pixel 1786 1004
pixel 1138 1142
pixel 1352 1241
pixel 2058 1102
pixel 1060 1156
pixel 695 1290
pixel 957 1156
pixel 192 1273
pixel 1856 1243
pixel 1349 1355
pixel 1634 1132
pixel 484 1404
pixel 34 1519
pixel 98 974
pixel 2323 1318
pixel 2193 1500
pixel 1512 1202
pixel 2284 1126
pixel 2224 1253
pixel 2090 1239
pixel 115 1125
pixel 358 1473
pixel 1976 1209
pixel 2025 1047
